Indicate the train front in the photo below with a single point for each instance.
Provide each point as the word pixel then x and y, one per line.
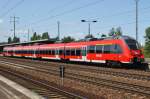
pixel 135 51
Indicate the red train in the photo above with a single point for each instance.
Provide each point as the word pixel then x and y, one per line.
pixel 114 50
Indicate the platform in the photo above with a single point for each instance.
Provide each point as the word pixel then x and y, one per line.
pixel 12 90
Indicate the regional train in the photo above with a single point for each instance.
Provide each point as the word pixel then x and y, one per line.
pixel 112 50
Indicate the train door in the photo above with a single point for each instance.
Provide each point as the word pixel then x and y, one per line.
pixel 83 53
pixel 57 54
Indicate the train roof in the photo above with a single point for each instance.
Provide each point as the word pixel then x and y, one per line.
pixel 53 41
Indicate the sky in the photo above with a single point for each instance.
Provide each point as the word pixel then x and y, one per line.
pixel 42 16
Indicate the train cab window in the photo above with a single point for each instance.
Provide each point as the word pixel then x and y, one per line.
pixel 72 52
pixel 91 49
pixel 99 49
pixel 107 49
pixel 132 44
pixel 78 52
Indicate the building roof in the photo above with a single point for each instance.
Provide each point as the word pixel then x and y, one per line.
pixel 38 42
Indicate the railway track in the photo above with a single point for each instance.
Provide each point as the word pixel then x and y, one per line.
pixel 117 85
pixel 39 86
pixel 99 70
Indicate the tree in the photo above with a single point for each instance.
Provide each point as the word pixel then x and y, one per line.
pixel 115 32
pixel 147 42
pixel 89 36
pixel 38 37
pixel 119 31
pixel 103 36
pixel 16 40
pixel 112 32
pixel 45 35
pixel 147 37
pixel 67 39
pixel 35 37
pixel 9 40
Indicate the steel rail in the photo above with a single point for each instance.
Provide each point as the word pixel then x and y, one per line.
pixel 42 83
pixel 100 71
pixel 99 81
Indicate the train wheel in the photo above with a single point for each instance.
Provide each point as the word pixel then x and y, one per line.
pixel 108 63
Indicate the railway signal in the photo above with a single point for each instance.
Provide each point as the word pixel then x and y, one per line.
pixel 62 71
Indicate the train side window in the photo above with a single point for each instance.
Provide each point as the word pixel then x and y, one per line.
pixel 113 48
pixel 36 51
pixel 53 52
pixel 60 52
pixel 107 49
pixel 72 52
pixel 42 51
pixel 118 49
pixel 91 49
pixel 78 52
pixel 45 51
pixel 26 52
pixel 32 52
pixel 99 49
pixel 67 52
pixel 50 52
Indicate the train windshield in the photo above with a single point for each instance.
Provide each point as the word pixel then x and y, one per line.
pixel 132 44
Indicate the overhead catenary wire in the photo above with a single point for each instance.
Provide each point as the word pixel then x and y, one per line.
pixel 55 8
pixel 116 14
pixel 62 6
pixel 68 11
pixel 5 4
pixel 12 8
pixel 122 13
pixel 107 16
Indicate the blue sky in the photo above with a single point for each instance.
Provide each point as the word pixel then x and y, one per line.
pixel 42 16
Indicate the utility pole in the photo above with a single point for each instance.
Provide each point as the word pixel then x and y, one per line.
pixel 14 20
pixel 137 1
pixel 58 24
